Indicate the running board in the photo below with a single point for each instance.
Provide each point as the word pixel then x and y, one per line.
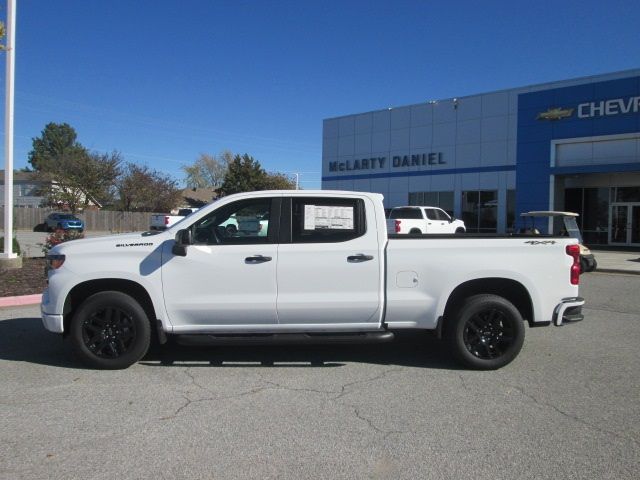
pixel 285 339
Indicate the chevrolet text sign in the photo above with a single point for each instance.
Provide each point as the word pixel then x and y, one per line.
pixel 605 108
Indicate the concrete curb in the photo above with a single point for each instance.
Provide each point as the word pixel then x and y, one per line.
pixel 20 301
pixel 618 271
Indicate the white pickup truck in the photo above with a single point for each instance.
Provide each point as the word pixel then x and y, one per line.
pixel 422 220
pixel 163 221
pixel 325 271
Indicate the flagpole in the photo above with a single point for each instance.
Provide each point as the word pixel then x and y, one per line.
pixel 8 135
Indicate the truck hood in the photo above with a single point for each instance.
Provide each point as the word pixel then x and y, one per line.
pixel 112 243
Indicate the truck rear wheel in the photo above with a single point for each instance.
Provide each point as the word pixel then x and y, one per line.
pixel 486 333
pixel 110 330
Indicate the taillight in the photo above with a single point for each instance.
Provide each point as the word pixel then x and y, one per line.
pixel 574 252
pixel 397 226
pixel 166 220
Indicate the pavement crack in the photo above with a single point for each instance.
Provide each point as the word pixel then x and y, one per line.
pixel 464 383
pixel 343 388
pixel 385 433
pixel 573 417
pixel 356 411
pixel 194 382
pixel 294 389
pixel 189 401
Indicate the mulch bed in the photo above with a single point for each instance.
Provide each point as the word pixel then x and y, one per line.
pixel 28 280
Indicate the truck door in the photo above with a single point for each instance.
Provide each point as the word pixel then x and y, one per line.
pixel 228 276
pixel 329 265
pixel 435 221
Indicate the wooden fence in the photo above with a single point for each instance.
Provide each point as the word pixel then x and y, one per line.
pixel 101 220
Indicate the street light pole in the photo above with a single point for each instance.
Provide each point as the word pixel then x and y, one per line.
pixel 8 135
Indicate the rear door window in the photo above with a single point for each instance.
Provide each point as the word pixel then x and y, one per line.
pixel 326 220
pixel 405 213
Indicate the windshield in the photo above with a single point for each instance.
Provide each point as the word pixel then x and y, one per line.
pixel 571 227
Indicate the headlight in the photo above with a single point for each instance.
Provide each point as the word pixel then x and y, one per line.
pixel 54 261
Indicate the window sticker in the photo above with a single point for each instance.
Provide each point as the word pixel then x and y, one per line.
pixel 318 217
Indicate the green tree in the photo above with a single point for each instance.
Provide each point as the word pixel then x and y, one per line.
pixel 279 181
pixel 76 180
pixel 3 32
pixel 75 176
pixel 57 140
pixel 208 171
pixel 141 189
pixel 243 175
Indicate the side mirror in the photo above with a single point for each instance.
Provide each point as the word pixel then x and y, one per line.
pixel 183 239
pixel 452 219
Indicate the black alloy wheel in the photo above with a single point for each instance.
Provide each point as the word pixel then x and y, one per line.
pixel 110 330
pixel 486 333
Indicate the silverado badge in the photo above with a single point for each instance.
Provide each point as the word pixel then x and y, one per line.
pixel 555 114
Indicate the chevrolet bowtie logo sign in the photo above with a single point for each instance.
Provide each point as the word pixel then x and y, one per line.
pixel 555 114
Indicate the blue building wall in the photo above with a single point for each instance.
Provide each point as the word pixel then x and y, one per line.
pixel 533 167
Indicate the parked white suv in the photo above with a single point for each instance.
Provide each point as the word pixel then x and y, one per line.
pixel 419 220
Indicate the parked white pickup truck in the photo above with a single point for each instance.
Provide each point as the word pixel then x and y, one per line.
pixel 163 221
pixel 326 271
pixel 422 220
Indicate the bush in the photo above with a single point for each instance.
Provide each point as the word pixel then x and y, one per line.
pixel 16 245
pixel 58 237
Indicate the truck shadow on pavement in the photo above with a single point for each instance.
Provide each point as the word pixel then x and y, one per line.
pixel 25 340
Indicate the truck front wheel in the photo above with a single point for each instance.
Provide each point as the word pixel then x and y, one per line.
pixel 486 333
pixel 110 330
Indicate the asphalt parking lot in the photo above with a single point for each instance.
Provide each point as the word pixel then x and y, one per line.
pixel 566 408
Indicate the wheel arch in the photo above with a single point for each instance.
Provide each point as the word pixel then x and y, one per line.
pixel 84 290
pixel 512 290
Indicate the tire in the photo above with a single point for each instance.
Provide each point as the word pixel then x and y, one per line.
pixel 460 230
pixel 110 331
pixel 486 333
pixel 415 231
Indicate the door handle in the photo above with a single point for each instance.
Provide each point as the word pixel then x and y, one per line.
pixel 359 258
pixel 257 259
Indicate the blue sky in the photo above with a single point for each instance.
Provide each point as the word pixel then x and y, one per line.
pixel 162 81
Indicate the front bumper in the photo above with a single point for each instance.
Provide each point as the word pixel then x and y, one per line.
pixel 52 322
pixel 568 311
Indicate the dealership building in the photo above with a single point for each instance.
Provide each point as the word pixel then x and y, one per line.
pixel 570 145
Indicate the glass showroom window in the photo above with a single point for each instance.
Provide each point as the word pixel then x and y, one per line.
pixel 511 210
pixel 444 200
pixel 480 211
pixel 592 206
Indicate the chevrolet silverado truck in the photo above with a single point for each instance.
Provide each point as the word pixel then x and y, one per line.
pixel 320 269
pixel 422 220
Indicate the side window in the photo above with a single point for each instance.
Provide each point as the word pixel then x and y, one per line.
pixel 431 214
pixel 406 213
pixel 442 215
pixel 242 222
pixel 326 220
